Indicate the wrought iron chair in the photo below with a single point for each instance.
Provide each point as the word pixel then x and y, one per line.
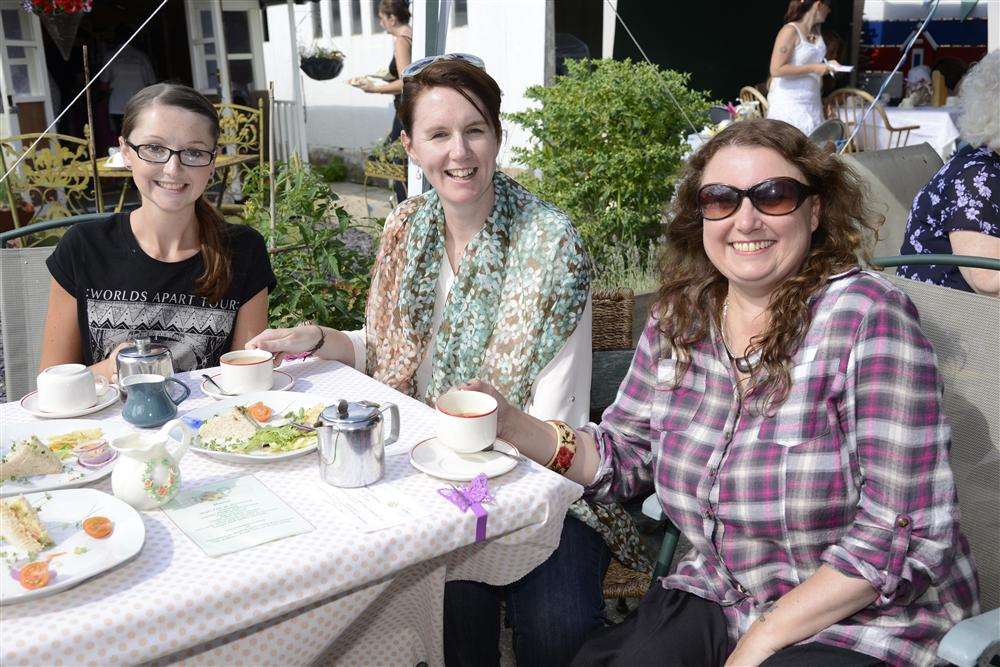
pixel 242 133
pixel 58 177
pixel 751 94
pixel 388 162
pixel 848 105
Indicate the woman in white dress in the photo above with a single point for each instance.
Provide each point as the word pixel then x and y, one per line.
pixel 798 64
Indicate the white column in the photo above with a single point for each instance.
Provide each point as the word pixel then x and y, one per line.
pixel 221 52
pixel 609 25
pixel 297 96
pixel 993 25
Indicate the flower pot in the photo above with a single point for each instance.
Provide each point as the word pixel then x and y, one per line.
pixel 321 69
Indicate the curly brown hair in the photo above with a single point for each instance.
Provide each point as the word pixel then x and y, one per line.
pixel 692 288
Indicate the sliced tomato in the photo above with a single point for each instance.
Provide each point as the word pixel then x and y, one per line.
pixel 260 412
pixel 98 526
pixel 34 575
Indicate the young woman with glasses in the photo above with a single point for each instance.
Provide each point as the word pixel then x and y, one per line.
pixel 172 269
pixel 479 278
pixel 785 408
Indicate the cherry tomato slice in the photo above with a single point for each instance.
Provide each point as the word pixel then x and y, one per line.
pixel 34 575
pixel 98 526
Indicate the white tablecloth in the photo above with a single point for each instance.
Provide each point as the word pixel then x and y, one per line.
pixel 333 593
pixel 937 127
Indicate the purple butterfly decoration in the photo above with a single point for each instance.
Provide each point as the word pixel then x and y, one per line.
pixel 472 497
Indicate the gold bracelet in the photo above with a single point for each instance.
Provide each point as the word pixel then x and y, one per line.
pixel 562 457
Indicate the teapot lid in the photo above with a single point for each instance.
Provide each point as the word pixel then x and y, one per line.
pixel 350 414
pixel 143 348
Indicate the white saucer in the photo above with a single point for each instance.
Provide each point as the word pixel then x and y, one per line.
pixel 30 405
pixel 280 381
pixel 437 460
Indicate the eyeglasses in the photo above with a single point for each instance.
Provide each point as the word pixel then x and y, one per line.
pixel 419 66
pixel 775 196
pixel 190 157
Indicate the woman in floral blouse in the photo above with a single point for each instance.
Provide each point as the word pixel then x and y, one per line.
pixel 479 278
pixel 785 408
pixel 958 211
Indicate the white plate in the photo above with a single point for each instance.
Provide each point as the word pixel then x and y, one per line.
pixel 62 512
pixel 73 474
pixel 437 460
pixel 30 405
pixel 279 401
pixel 280 381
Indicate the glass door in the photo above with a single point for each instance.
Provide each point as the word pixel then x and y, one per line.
pixel 27 101
pixel 243 36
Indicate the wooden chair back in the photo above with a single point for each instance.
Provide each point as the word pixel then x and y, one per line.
pixel 876 132
pixel 751 94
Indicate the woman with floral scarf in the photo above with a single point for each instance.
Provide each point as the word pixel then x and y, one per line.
pixel 478 278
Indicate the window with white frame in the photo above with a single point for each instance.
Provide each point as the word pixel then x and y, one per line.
pixel 317 21
pixel 356 17
pixel 21 53
pixel 336 23
pixel 460 15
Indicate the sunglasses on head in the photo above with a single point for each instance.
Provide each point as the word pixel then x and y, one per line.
pixel 418 66
pixel 775 196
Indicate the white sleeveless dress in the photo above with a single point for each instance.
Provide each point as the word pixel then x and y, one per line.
pixel 796 99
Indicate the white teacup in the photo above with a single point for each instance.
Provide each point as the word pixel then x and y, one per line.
pixel 247 370
pixel 466 420
pixel 69 387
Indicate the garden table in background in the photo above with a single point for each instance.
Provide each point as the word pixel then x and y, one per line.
pixel 334 593
pixel 937 127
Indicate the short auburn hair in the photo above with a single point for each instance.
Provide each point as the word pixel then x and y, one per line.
pixel 469 81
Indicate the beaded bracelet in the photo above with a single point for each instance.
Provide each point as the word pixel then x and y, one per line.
pixel 308 353
pixel 562 458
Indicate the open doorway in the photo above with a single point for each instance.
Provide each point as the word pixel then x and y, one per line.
pixel 158 53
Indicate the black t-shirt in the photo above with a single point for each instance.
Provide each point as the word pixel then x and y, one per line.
pixel 122 292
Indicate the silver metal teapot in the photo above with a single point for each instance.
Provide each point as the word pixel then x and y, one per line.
pixel 352 442
pixel 143 357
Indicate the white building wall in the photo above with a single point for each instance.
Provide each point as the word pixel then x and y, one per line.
pixel 509 35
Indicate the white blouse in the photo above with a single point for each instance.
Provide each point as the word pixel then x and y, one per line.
pixel 561 390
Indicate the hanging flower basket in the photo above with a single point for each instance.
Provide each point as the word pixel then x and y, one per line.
pixel 61 19
pixel 321 63
pixel 321 69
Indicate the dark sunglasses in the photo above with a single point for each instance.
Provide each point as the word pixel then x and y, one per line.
pixel 775 196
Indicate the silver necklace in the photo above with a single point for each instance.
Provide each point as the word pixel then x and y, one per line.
pixel 743 364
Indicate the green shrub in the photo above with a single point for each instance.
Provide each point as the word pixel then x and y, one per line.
pixel 627 264
pixel 334 171
pixel 321 276
pixel 609 142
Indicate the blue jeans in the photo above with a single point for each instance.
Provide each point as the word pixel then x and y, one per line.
pixel 551 610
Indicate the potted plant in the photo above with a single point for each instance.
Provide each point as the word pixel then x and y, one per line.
pixel 321 63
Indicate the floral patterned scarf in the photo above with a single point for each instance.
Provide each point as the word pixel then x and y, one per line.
pixel 519 291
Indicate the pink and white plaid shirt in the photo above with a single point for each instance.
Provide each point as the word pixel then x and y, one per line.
pixel 851 470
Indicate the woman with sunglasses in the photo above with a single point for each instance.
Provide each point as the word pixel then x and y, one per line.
pixel 172 269
pixel 479 278
pixel 785 407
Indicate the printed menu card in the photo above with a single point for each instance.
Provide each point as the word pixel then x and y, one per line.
pixel 233 514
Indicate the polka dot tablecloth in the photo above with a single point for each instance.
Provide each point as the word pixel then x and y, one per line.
pixel 334 595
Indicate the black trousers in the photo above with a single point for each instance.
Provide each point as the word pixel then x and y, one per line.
pixel 673 628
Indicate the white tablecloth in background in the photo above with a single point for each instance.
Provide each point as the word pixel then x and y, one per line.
pixel 937 127
pixel 349 597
